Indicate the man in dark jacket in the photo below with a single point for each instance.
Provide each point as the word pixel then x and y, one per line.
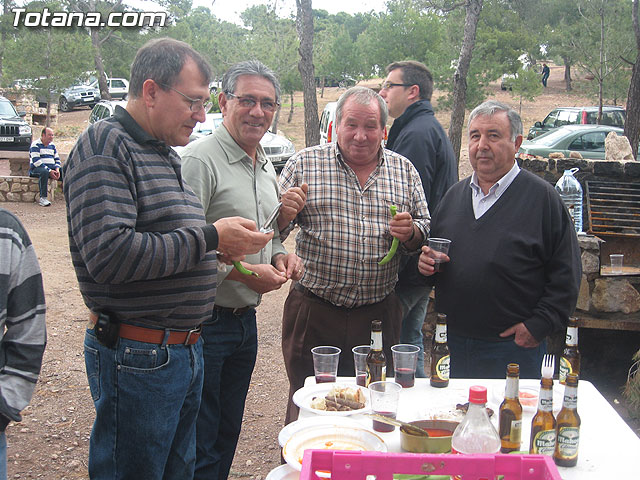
pixel 417 135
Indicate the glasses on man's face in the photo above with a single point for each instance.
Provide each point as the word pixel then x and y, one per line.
pixel 387 85
pixel 194 105
pixel 248 102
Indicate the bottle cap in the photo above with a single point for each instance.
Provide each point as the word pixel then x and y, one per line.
pixel 477 394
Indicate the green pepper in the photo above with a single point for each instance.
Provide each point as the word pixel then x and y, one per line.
pixel 244 271
pixel 394 243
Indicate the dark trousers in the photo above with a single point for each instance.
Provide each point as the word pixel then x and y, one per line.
pixel 474 358
pixel 309 321
pixel 42 173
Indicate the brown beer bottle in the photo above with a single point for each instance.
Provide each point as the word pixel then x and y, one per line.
pixel 543 425
pixel 568 426
pixel 376 361
pixel 440 354
pixel 570 358
pixel 510 417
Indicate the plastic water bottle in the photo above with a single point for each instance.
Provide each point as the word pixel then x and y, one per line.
pixel 571 192
pixel 476 433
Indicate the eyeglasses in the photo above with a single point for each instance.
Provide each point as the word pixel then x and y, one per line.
pixel 386 85
pixel 194 105
pixel 248 102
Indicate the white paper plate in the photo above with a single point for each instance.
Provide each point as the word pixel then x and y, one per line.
pixel 302 398
pixel 283 472
pixel 330 438
pixel 293 427
pixel 529 397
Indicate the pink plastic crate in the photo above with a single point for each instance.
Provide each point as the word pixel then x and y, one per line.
pixel 349 465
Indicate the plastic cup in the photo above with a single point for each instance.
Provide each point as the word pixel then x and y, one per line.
pixel 360 363
pixel 439 245
pixel 325 363
pixel 616 262
pixel 384 401
pixel 405 361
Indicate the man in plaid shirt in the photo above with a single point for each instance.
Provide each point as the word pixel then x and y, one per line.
pixel 339 195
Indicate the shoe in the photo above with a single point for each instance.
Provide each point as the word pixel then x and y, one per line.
pixel 44 202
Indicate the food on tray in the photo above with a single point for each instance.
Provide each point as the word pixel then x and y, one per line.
pixel 465 406
pixel 528 399
pixel 340 399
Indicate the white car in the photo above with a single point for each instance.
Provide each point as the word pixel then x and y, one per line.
pixel 118 87
pixel 328 123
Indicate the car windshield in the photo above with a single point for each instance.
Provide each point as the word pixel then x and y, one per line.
pixel 6 108
pixel 550 138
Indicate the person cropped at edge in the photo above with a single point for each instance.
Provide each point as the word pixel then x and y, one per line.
pixel 418 136
pixel 145 261
pixel 22 321
pixel 231 175
pixel 44 163
pixel 513 268
pixel 345 230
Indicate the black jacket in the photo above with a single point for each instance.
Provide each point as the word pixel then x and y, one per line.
pixel 417 135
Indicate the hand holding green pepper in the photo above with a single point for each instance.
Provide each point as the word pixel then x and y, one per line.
pixel 394 244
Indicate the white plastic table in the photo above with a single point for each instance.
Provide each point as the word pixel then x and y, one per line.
pixel 608 447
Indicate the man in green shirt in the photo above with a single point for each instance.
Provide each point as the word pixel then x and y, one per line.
pixel 230 173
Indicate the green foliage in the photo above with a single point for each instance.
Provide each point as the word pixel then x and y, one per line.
pixel 632 388
pixel 526 85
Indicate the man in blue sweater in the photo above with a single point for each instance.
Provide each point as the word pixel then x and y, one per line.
pixel 513 271
pixel 418 136
pixel 44 163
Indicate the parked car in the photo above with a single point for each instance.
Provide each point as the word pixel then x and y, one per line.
pixel 118 87
pixel 78 95
pixel 328 123
pixel 612 116
pixel 15 133
pixel 104 109
pixel 588 140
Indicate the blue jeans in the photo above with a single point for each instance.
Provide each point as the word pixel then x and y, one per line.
pixel 474 358
pixel 230 350
pixel 146 398
pixel 414 300
pixel 43 174
pixel 3 456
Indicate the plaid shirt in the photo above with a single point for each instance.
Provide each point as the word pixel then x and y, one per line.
pixel 344 228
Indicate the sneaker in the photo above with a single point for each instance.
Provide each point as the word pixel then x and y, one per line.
pixel 44 202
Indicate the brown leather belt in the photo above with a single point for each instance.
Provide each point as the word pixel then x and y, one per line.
pixel 152 335
pixel 234 311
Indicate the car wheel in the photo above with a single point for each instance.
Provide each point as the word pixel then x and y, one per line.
pixel 63 105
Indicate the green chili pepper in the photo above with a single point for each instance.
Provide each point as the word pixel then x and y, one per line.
pixel 394 243
pixel 244 271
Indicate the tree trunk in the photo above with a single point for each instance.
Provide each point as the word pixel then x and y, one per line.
pixel 304 26
pixel 632 123
pixel 602 73
pixel 473 9
pixel 97 60
pixel 567 73
pixel 290 110
pixel 274 122
pixel 6 5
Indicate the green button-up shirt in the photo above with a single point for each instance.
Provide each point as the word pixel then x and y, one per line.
pixel 224 178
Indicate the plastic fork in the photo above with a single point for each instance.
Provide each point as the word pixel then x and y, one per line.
pixel 548 365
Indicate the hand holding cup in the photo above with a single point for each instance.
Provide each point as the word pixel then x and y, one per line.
pixel 434 256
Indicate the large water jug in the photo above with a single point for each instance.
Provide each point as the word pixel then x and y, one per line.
pixel 571 192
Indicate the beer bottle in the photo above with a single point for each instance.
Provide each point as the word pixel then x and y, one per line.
pixel 376 361
pixel 543 425
pixel 510 417
pixel 568 426
pixel 440 354
pixel 570 358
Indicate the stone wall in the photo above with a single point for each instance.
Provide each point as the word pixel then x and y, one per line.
pixel 23 189
pixel 36 110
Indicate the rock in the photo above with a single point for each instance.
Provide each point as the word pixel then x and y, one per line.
pixel 590 262
pixel 556 155
pixel 584 300
pixel 615 295
pixel 617 147
pixel 575 155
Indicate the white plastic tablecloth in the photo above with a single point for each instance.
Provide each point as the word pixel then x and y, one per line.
pixel 608 447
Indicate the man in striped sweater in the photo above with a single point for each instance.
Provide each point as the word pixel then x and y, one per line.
pixel 44 163
pixel 22 322
pixel 145 260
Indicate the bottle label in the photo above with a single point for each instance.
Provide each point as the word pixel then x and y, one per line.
pixel 376 340
pixel 570 398
pixel 545 402
pixel 544 442
pixel 441 333
pixel 568 440
pixel 442 368
pixel 564 369
pixel 571 338
pixel 511 390
pixel 515 434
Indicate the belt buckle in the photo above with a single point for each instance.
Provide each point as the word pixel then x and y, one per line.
pixel 198 329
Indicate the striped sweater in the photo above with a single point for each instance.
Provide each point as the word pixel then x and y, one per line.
pixel 43 156
pixel 139 242
pixel 22 325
